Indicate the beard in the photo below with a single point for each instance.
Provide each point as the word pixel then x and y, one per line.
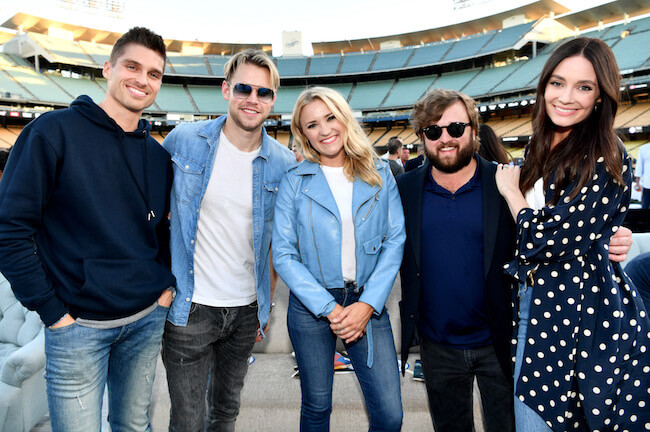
pixel 463 158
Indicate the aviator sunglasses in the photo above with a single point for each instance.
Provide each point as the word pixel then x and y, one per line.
pixel 455 130
pixel 242 91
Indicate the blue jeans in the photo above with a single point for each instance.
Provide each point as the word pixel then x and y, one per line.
pixel 449 376
pixel 526 419
pixel 215 343
pixel 82 360
pixel 315 343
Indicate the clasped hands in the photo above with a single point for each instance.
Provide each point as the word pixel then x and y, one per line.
pixel 349 323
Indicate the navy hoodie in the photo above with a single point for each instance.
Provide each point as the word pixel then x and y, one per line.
pixel 83 216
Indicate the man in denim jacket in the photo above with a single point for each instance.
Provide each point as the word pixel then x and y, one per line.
pixel 226 175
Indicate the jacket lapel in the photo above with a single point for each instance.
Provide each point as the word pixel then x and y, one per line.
pixel 491 210
pixel 318 189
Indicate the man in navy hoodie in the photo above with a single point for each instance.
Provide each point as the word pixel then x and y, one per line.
pixel 84 241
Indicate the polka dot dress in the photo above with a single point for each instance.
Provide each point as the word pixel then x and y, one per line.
pixel 586 364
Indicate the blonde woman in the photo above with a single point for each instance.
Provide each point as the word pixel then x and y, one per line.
pixel 338 238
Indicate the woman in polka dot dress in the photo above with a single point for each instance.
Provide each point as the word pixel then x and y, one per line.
pixel 582 361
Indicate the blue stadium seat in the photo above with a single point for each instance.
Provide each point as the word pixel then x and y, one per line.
pixel 369 95
pixel 217 63
pixel 324 65
pixel 353 63
pixel 80 86
pixel 468 47
pixel 188 65
pixel 408 90
pixel 392 59
pixel 506 38
pixel 429 54
pixel 208 99
pixel 292 66
pixel 172 98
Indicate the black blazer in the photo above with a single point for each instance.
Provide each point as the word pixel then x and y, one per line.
pixel 498 248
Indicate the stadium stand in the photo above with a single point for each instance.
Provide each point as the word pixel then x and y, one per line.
pixel 189 65
pixel 288 66
pixel 63 51
pixel 286 99
pixel 633 115
pixel 355 63
pixel 174 98
pixel 216 64
pixel 506 38
pixel 488 78
pixel 370 94
pixel 98 52
pixel 283 137
pixel 408 90
pixel 8 136
pixel 208 99
pixel 429 54
pixel 633 51
pixel 325 65
pixel 467 47
pixel 455 80
pixel 37 85
pixel 9 87
pixel 392 59
pixel 79 86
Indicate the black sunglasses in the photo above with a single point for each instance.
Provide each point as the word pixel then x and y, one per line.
pixel 455 130
pixel 242 91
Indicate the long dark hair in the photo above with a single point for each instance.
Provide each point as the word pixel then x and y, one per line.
pixel 576 155
pixel 491 148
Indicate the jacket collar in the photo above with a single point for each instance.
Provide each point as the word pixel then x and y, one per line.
pixel 212 130
pixel 318 189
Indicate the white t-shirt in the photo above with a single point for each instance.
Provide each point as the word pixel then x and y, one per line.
pixel 535 196
pixel 341 188
pixel 224 258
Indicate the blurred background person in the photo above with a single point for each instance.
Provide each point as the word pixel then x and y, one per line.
pixel 491 148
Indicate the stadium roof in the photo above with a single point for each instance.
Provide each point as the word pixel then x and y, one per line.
pixel 605 14
pixel 614 10
pixel 31 23
pixel 532 12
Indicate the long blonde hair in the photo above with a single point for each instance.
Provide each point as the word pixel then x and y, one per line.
pixel 360 158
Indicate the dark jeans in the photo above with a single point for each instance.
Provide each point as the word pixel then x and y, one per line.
pixel 315 344
pixel 449 376
pixel 215 343
pixel 645 199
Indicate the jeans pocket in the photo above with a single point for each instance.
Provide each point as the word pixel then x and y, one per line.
pixel 60 330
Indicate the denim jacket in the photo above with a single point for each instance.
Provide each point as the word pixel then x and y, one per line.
pixel 307 236
pixel 192 147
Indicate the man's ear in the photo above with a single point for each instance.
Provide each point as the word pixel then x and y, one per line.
pixel 225 90
pixel 106 70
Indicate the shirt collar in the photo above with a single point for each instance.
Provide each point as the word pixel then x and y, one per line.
pixel 430 184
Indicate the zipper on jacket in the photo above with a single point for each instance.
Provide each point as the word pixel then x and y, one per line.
pixel 371 207
pixel 313 233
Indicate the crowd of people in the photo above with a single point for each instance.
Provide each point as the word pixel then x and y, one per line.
pixel 510 275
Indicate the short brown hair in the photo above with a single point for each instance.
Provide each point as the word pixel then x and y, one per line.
pixel 430 107
pixel 141 36
pixel 256 57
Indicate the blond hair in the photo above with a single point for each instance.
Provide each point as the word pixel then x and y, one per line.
pixel 360 158
pixel 255 57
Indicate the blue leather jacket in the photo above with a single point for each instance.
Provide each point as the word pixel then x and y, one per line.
pixel 193 147
pixel 307 237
